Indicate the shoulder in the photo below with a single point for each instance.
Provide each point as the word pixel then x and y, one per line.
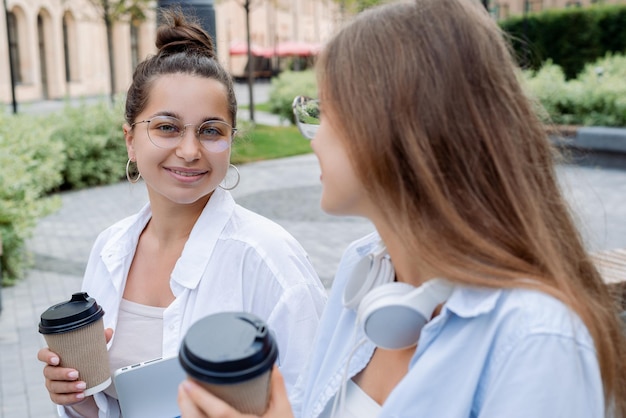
pixel 521 353
pixel 256 230
pixel 262 248
pixel 533 337
pixel 531 311
pixel 510 318
pixel 536 312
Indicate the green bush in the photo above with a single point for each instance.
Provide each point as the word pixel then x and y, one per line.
pixel 286 87
pixel 30 166
pixel 570 38
pixel 94 144
pixel 596 97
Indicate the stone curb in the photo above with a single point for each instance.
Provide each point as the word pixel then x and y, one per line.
pixel 596 138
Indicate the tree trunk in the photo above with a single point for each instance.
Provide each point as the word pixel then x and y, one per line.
pixel 250 62
pixel 109 34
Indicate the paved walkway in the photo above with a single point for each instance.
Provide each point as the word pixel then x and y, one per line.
pixel 285 190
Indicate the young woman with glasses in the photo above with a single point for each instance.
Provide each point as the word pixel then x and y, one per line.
pixel 426 131
pixel 191 251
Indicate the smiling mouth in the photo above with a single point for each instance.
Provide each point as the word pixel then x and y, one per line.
pixel 187 173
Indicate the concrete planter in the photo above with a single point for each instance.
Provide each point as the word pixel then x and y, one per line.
pixel 592 145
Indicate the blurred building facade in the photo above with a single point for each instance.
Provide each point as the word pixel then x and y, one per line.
pixel 58 48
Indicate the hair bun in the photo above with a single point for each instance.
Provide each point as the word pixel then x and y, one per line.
pixel 181 33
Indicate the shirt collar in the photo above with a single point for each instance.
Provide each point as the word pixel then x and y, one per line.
pixel 125 238
pixel 465 301
pixel 468 301
pixel 198 248
pixel 203 238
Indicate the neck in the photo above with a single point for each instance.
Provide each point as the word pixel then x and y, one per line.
pixel 406 263
pixel 172 222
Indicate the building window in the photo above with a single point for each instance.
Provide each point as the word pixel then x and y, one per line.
pixel 14 49
pixel 531 6
pixel 500 11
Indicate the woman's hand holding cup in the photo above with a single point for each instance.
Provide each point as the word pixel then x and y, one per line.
pixel 196 402
pixel 62 383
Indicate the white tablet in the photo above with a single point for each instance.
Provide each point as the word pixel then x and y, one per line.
pixel 149 389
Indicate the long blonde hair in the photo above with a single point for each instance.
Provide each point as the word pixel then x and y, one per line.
pixel 440 130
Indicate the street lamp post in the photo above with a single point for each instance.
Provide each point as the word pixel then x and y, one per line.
pixel 11 64
pixel 250 62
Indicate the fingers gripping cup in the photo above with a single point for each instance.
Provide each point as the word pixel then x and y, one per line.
pixel 75 331
pixel 231 354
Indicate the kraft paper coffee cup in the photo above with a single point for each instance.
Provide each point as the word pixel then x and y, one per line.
pixel 231 354
pixel 75 331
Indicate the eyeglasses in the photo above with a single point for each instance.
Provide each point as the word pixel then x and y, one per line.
pixel 167 132
pixel 307 114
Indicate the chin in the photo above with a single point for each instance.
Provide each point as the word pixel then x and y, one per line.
pixel 334 209
pixel 190 199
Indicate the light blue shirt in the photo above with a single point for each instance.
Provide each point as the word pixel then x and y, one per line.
pixel 489 353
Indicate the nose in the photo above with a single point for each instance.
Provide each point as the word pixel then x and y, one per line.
pixel 188 148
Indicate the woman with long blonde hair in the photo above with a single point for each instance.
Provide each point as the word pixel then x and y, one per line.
pixel 426 131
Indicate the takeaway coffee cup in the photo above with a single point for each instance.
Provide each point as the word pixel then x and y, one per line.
pixel 75 331
pixel 231 354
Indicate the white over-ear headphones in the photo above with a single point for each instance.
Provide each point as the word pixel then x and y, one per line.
pixel 391 314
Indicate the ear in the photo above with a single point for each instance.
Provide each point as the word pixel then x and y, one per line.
pixel 128 137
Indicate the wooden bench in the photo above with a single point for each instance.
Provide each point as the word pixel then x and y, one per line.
pixel 611 265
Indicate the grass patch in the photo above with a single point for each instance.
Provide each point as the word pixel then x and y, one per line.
pixel 261 107
pixel 263 142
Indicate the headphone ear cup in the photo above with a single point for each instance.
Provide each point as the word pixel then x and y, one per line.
pixel 388 319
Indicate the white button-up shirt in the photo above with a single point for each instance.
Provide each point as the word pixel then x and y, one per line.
pixel 234 260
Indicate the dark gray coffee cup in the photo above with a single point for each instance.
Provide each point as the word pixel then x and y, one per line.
pixel 231 354
pixel 75 331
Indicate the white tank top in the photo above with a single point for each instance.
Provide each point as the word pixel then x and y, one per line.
pixel 358 404
pixel 138 337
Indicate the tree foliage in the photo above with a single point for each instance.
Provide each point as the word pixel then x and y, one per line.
pixel 356 6
pixel 122 10
pixel 113 11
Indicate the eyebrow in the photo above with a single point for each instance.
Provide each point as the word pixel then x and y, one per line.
pixel 177 116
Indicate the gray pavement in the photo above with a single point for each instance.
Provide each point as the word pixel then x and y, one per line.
pixel 285 190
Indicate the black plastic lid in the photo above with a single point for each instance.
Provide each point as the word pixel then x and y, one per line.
pixel 228 347
pixel 67 316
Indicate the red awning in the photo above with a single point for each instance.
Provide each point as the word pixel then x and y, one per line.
pixel 241 48
pixel 297 48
